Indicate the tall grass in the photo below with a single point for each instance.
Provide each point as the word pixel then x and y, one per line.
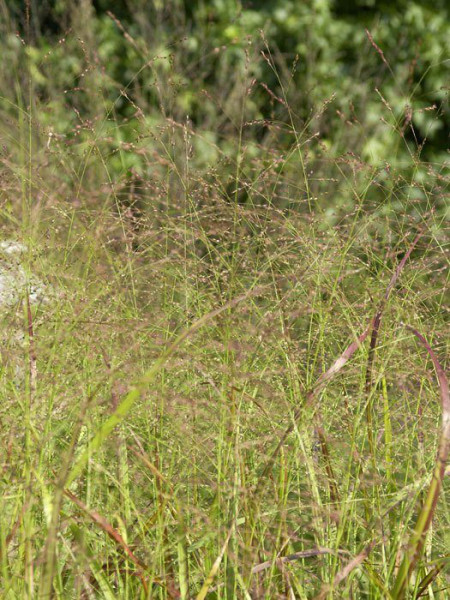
pixel 221 400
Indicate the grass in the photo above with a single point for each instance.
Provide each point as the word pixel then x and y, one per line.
pixel 228 396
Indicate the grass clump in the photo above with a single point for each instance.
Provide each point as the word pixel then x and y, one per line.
pixel 226 393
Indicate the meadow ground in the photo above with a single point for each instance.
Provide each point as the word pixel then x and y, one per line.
pixel 236 388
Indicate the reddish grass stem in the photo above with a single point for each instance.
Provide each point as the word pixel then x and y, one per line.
pixel 417 540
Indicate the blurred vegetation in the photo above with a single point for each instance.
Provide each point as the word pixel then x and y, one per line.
pixel 356 88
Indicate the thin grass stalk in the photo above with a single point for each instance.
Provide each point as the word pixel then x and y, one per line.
pixel 136 392
pixel 339 363
pixel 32 359
pixel 215 568
pixel 428 580
pixel 318 387
pixel 346 571
pixel 183 559
pixel 334 492
pixel 69 473
pixel 387 431
pixel 30 377
pixel 376 324
pixel 293 557
pixel 164 494
pixel 113 534
pixel 417 540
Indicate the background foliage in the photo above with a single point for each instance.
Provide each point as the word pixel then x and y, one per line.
pixel 264 70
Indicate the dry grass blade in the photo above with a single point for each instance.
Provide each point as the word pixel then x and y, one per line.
pixel 119 541
pixel 114 535
pixel 334 492
pixel 376 323
pixel 151 467
pixel 377 318
pixel 340 362
pixel 135 393
pixel 9 538
pixel 428 580
pixel 417 539
pixel 70 472
pixel 345 572
pixel 292 557
pixel 320 384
